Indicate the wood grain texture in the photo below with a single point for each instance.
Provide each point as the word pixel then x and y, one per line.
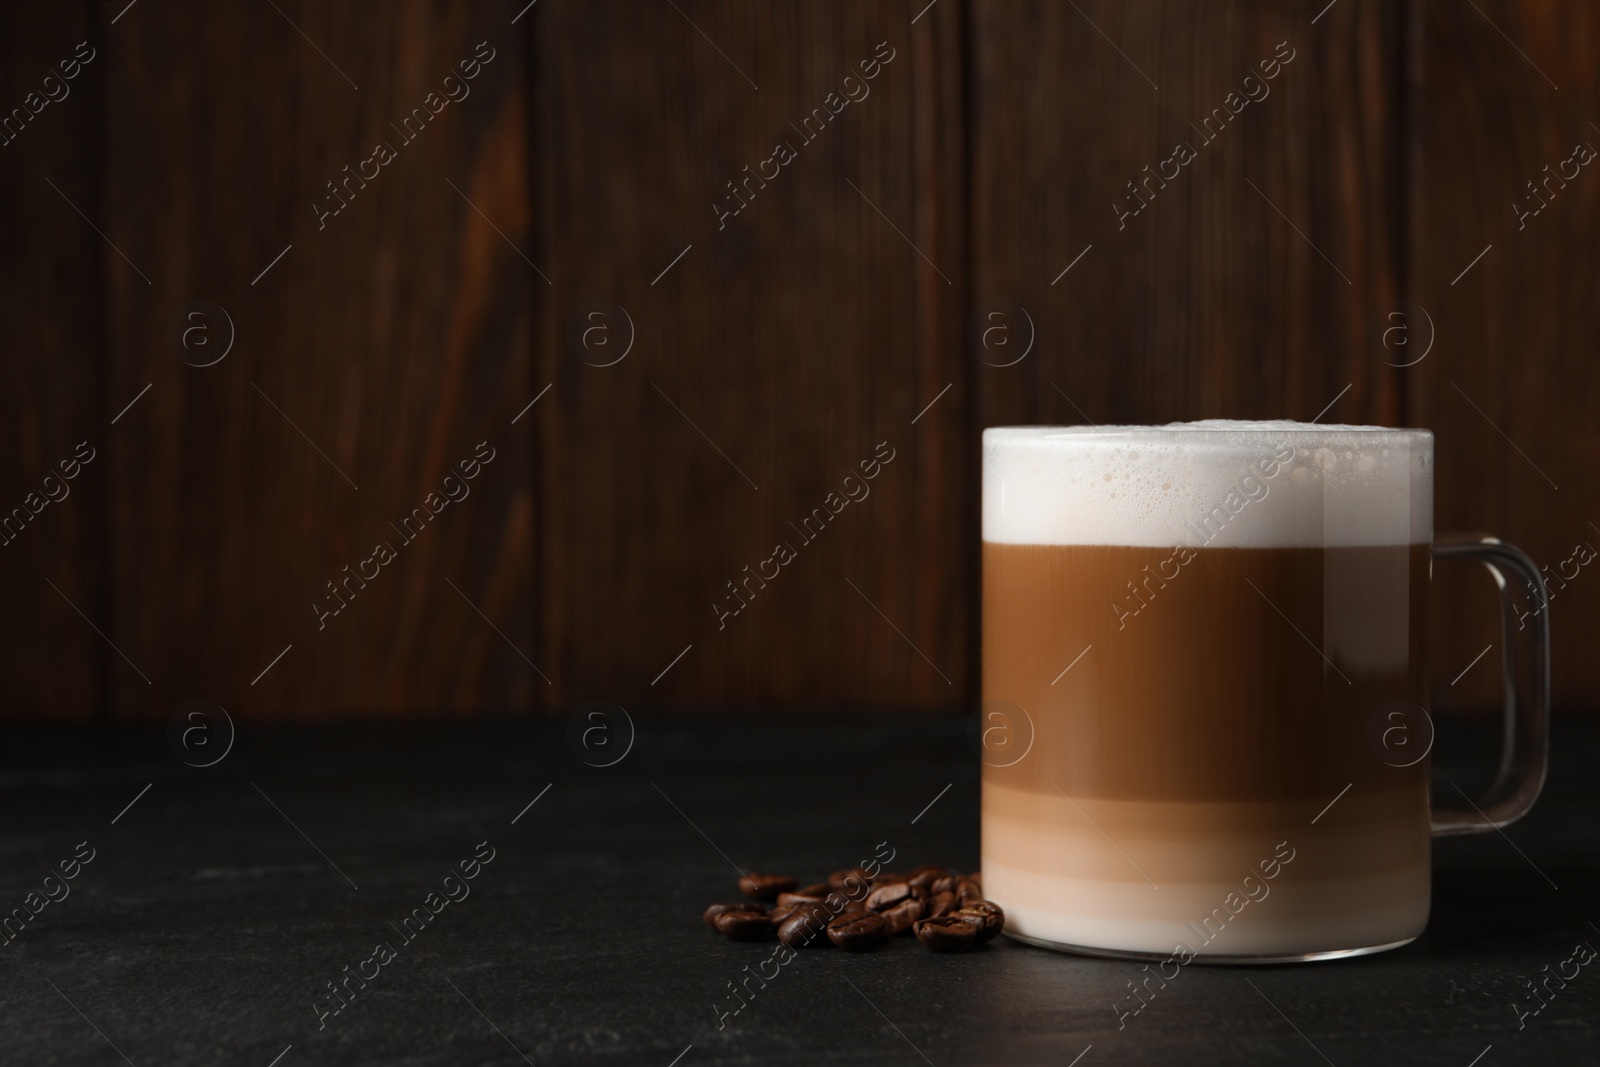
pixel 975 200
pixel 51 262
pixel 1504 90
pixel 370 360
pixel 797 337
pixel 1242 287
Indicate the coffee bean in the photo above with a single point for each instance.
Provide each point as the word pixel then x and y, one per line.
pixel 830 904
pixel 856 890
pixel 849 878
pixel 832 901
pixel 744 925
pixel 902 915
pixel 758 886
pixel 856 907
pixel 805 926
pixel 948 934
pixel 801 897
pixel 856 932
pixel 852 888
pixel 717 909
pixel 888 895
pixel 987 912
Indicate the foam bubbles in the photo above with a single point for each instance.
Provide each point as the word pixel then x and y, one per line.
pixel 1216 483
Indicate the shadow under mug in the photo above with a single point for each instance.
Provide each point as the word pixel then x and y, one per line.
pixel 1205 727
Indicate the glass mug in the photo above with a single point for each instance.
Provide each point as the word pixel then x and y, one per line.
pixel 1205 727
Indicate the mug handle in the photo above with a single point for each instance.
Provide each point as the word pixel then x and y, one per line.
pixel 1527 684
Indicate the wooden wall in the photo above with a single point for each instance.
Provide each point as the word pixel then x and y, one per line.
pixel 709 364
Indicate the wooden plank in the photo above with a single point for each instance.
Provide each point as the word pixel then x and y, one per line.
pixel 392 337
pixel 1504 91
pixel 784 332
pixel 1240 285
pixel 51 525
pixel 381 332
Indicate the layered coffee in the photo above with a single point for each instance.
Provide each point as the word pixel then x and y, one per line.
pixel 1204 659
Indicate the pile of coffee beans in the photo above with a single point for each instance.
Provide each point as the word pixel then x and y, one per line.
pixel 854 910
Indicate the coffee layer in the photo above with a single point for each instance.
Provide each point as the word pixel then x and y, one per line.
pixel 1229 674
pixel 1208 484
pixel 1222 879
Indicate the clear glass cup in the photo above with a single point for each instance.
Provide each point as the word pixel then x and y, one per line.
pixel 1205 722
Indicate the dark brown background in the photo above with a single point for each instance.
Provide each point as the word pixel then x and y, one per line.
pixel 1387 156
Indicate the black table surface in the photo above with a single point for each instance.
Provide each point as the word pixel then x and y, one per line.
pixel 220 904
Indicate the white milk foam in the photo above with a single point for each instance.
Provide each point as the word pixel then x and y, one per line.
pixel 1215 484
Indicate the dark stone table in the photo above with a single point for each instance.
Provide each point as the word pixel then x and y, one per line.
pixel 220 904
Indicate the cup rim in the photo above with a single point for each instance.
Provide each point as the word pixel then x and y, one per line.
pixel 1216 430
